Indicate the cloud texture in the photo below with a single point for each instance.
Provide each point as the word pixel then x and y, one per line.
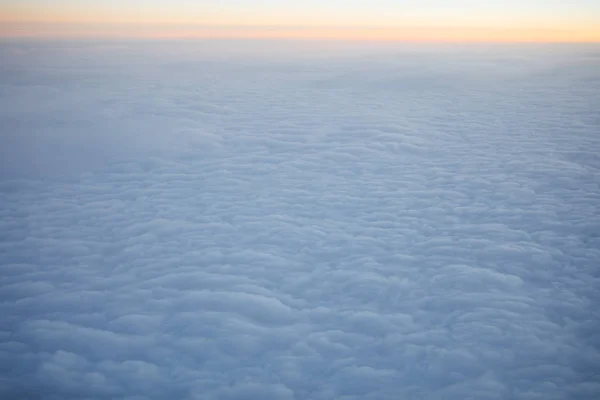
pixel 181 221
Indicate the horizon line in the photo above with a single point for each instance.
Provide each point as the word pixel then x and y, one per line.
pixel 90 38
pixel 443 35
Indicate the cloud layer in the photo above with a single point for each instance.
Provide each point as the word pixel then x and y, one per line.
pixel 184 222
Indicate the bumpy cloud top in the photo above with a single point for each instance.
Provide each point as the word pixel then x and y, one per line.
pixel 196 223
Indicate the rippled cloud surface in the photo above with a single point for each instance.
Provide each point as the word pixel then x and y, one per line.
pixel 182 221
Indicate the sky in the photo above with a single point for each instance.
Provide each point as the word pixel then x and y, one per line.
pixel 439 20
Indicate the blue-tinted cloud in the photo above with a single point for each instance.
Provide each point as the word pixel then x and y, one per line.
pixel 182 222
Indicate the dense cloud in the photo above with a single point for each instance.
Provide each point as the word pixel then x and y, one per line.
pixel 183 221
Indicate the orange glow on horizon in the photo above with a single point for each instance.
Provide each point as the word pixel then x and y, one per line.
pixel 171 31
pixel 128 22
pixel 409 34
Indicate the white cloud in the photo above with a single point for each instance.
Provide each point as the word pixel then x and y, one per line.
pixel 180 222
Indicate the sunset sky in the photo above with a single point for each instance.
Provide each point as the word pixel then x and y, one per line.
pixel 462 20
